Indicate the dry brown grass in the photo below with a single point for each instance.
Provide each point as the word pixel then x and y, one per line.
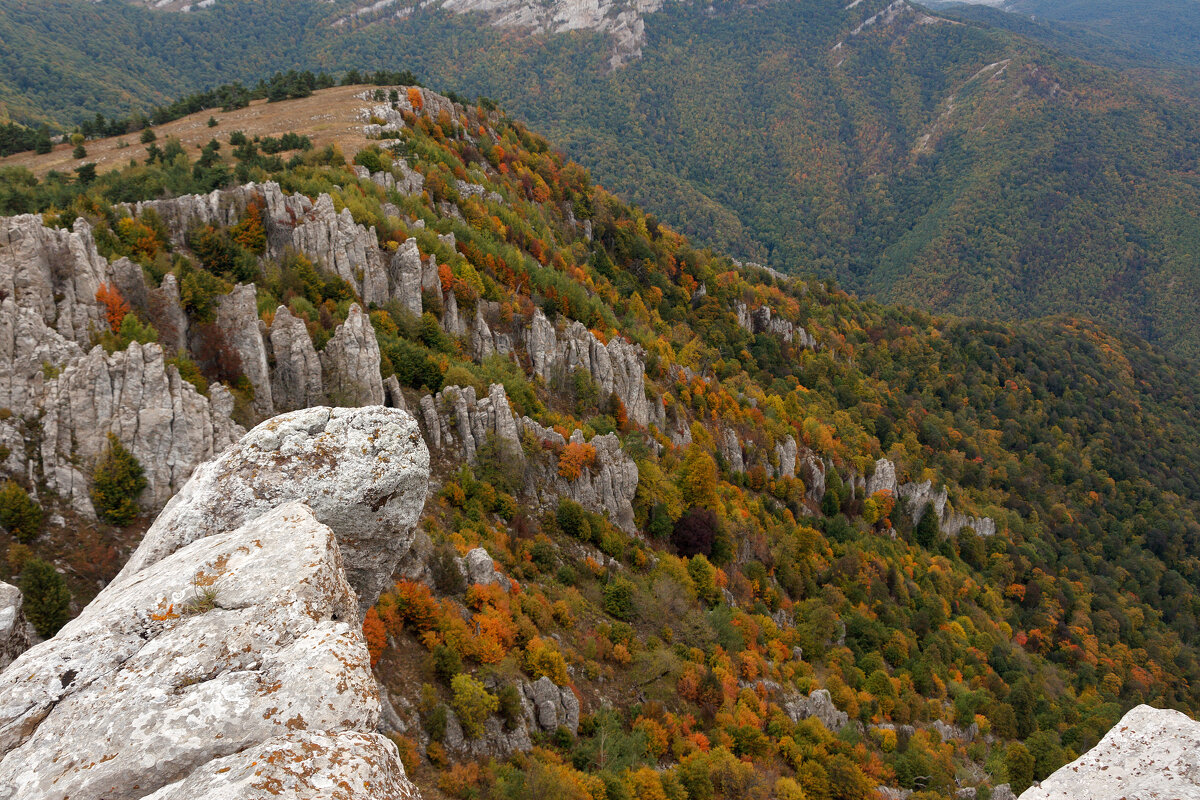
pixel 329 116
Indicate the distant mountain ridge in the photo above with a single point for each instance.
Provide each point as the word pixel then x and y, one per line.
pixel 917 158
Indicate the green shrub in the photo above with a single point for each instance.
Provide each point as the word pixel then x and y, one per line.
pixel 20 514
pixel 510 706
pixel 618 598
pixel 47 599
pixel 116 484
pixel 446 662
pixel 473 704
pixel 572 519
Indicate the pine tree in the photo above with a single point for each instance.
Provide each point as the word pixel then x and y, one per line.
pixel 926 533
pixel 118 481
pixel 47 598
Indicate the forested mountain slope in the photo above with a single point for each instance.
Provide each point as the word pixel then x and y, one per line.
pixel 917 159
pixel 698 531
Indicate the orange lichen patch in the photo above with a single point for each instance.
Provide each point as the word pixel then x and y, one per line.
pixel 296 723
pixel 168 613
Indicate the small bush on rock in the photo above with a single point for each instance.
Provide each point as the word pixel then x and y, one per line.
pixel 473 704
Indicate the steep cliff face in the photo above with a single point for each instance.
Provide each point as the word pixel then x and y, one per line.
pixel 459 425
pixel 228 655
pixel 1150 753
pixel 64 396
pixel 617 367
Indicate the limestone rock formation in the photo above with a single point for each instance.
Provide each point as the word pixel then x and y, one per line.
pixel 14 630
pixel 55 273
pixel 761 320
pixel 350 362
pixel 481 569
pixel 363 471
pixel 884 478
pixel 455 418
pixel 731 451
pixel 65 399
pixel 818 704
pixel 616 367
pixel 345 248
pixel 165 312
pixel 1150 753
pixel 296 380
pixel 177 675
pixel 405 271
pixel 167 425
pixel 548 706
pixel 237 317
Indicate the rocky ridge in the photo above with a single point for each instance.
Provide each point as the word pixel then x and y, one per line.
pixel 1150 753
pixel 459 425
pixel 228 655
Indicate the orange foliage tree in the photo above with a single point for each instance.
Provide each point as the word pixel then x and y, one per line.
pixel 115 307
pixel 574 457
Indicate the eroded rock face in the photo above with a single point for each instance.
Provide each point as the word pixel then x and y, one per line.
pixel 363 471
pixel 14 630
pixel 618 367
pixel 884 478
pixel 548 706
pixel 818 704
pixel 64 398
pixel 237 316
pixel 296 381
pixel 1150 753
pixel 177 675
pixel 350 362
pixel 161 418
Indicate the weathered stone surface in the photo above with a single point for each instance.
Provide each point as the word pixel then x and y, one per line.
pixel 152 683
pixel 607 486
pixel 342 765
pixel 296 380
pixel 167 425
pixel 363 471
pixel 237 317
pixel 731 450
pixel 786 453
pixel 166 314
pixel 955 733
pixel 1003 792
pixel 454 418
pixel 405 271
pixel 549 706
pixel 916 495
pixel 14 630
pixel 818 704
pixel 884 478
pixel 345 248
pixel 1150 753
pixel 350 362
pixel 761 320
pixel 55 273
pixel 481 569
pixel 616 367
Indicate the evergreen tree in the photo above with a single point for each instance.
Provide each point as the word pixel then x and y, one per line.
pixel 47 598
pixel 926 533
pixel 118 481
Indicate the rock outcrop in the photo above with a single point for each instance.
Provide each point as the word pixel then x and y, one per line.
pixel 235 661
pixel 818 704
pixel 1150 753
pixel 549 706
pixel 363 472
pixel 237 317
pixel 14 630
pixel 350 363
pixel 616 367
pixel 296 379
pixel 134 394
pixel 761 320
pixel 460 425
pixel 65 398
pixel 917 495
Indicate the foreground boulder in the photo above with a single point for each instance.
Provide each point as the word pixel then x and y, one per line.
pixel 363 472
pixel 1150 753
pixel 232 665
pixel 227 659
